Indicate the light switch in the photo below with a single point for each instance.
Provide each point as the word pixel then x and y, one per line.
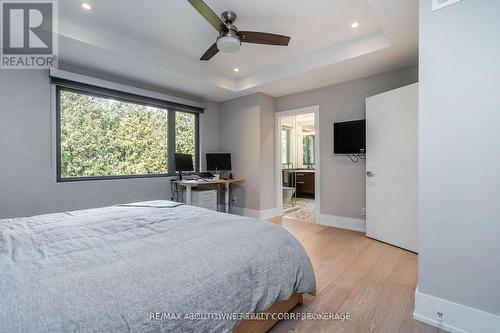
pixel 438 4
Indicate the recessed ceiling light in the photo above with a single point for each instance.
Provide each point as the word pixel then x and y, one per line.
pixel 236 69
pixel 86 6
pixel 355 25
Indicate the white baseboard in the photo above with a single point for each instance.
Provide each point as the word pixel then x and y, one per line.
pixel 245 212
pixel 342 222
pixel 456 318
pixel 268 213
pixel 258 214
pixel 324 219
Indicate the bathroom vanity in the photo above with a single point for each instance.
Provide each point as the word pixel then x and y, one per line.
pixel 305 183
pixel 302 180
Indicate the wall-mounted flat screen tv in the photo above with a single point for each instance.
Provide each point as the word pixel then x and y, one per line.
pixel 349 137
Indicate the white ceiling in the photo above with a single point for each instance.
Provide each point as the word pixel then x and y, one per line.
pixel 159 43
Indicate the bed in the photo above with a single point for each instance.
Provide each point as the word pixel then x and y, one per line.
pixel 154 266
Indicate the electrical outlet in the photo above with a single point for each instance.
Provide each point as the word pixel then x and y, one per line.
pixel 363 211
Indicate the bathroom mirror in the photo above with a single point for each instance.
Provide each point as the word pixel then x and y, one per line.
pixel 286 142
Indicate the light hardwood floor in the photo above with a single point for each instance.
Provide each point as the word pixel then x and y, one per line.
pixel 373 281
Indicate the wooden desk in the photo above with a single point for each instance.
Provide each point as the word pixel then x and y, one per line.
pixel 189 184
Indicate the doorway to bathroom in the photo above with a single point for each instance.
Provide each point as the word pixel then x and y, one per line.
pixel 297 169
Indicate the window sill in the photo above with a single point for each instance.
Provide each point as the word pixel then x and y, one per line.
pixel 84 179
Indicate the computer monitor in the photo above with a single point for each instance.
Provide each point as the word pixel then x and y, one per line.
pixel 183 162
pixel 219 162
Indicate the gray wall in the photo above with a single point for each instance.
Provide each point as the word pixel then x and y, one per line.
pixel 247 132
pixel 267 156
pixel 240 136
pixel 342 182
pixel 126 81
pixel 459 153
pixel 209 131
pixel 27 166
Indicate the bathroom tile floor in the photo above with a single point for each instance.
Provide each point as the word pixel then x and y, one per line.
pixel 305 210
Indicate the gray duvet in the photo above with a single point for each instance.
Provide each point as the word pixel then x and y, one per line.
pixel 143 268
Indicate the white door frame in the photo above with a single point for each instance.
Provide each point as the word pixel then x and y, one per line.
pixel 278 174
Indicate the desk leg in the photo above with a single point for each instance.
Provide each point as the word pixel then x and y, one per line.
pixel 226 197
pixel 188 195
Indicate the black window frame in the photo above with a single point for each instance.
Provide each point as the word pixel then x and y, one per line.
pixel 170 107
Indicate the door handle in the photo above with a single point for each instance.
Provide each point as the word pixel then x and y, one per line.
pixel 369 174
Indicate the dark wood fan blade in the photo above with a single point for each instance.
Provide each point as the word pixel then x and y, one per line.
pixel 263 38
pixel 208 14
pixel 213 50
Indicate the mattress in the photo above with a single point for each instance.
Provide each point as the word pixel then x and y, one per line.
pixel 144 267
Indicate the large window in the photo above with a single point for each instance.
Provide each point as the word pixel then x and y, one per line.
pixel 101 136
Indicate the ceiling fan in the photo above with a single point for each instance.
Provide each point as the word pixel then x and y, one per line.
pixel 230 39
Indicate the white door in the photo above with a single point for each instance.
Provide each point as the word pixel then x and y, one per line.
pixel 392 167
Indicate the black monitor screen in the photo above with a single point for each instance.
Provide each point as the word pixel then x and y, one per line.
pixel 183 162
pixel 219 162
pixel 349 137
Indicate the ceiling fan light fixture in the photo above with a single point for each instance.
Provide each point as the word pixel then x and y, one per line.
pixel 228 44
pixel 230 38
